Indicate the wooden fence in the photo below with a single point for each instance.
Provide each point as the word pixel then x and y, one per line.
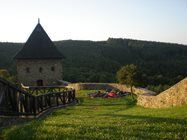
pixel 36 90
pixel 15 101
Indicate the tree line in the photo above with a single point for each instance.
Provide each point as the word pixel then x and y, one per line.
pixel 161 64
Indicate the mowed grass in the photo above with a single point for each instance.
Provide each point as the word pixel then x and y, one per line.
pixel 101 118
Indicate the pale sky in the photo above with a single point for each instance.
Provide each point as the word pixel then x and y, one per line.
pixel 155 20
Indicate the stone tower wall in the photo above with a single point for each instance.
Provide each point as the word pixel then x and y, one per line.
pixel 35 73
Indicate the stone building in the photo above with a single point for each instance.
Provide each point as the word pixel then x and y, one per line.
pixel 39 63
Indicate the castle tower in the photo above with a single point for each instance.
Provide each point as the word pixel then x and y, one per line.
pixel 39 63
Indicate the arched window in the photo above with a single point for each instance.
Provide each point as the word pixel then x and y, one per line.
pixel 40 69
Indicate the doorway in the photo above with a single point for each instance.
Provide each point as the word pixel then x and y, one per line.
pixel 39 82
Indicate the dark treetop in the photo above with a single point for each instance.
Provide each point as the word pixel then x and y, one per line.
pixel 39 46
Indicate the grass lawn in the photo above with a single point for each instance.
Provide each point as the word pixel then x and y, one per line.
pixel 101 118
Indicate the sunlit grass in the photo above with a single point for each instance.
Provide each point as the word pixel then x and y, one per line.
pixel 101 118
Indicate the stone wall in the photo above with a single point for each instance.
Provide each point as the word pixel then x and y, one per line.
pixel 104 86
pixel 47 75
pixel 174 96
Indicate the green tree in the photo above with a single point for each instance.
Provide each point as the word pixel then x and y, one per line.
pixel 6 75
pixel 128 75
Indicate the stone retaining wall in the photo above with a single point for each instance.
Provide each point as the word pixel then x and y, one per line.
pixel 104 86
pixel 174 96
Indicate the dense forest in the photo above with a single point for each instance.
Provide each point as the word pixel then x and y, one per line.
pixel 98 61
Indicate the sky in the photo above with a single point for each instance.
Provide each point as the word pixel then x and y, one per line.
pixel 152 20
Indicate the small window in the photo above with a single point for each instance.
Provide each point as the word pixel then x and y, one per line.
pixel 52 68
pixel 27 70
pixel 40 69
pixel 39 82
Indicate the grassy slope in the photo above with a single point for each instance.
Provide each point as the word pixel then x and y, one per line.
pixel 105 119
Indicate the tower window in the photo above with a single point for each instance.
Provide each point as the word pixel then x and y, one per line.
pixel 52 68
pixel 27 70
pixel 40 69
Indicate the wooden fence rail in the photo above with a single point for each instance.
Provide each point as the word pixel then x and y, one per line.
pixel 15 101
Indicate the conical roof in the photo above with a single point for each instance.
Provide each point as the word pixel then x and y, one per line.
pixel 39 46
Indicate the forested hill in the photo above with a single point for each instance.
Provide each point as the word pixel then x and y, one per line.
pixel 89 61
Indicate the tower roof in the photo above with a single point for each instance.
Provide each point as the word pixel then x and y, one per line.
pixel 39 46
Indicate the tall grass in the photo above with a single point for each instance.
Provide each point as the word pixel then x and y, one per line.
pixel 101 118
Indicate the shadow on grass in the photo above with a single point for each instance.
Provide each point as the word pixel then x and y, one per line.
pixel 103 130
pixel 81 100
pixel 149 119
pixel 138 127
pixel 141 131
pixel 123 103
pixel 106 101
